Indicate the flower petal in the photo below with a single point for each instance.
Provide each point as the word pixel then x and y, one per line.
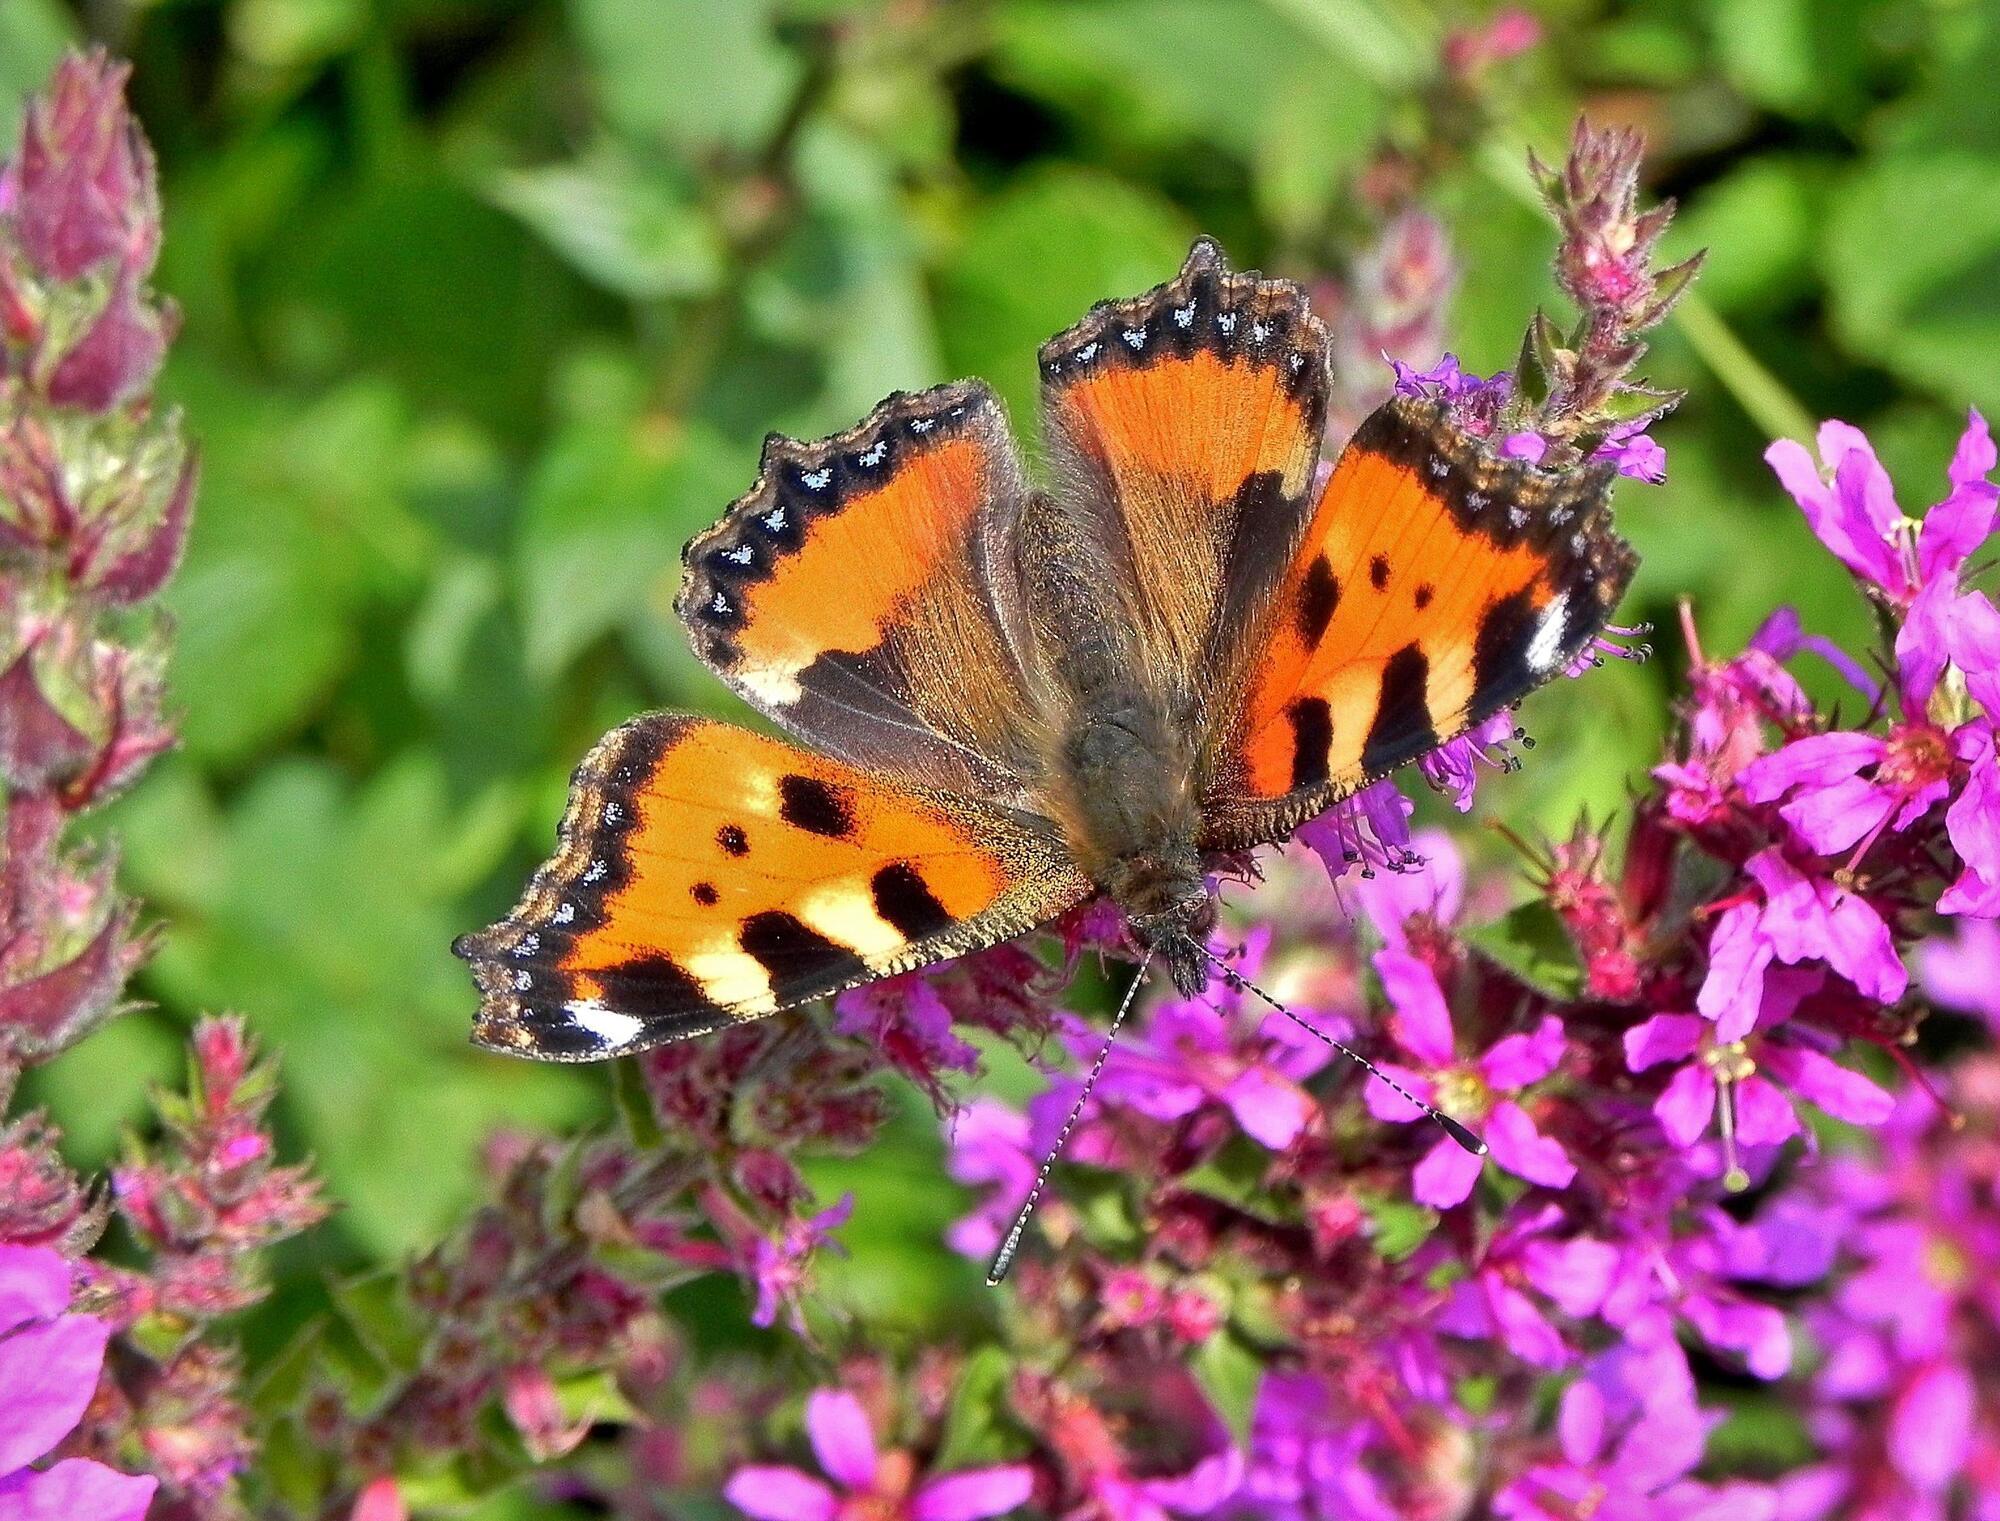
pixel 841 1438
pixel 1930 1428
pixel 1385 1103
pixel 1960 523
pixel 1831 819
pixel 1840 1091
pixel 975 1494
pixel 1523 1150
pixel 1580 1426
pixel 1421 1021
pixel 1763 1115
pixel 1446 1175
pixel 1687 1105
pixel 1527 1057
pixel 1663 1038
pixel 34 1285
pixel 76 1490
pixel 1818 760
pixel 1271 1110
pixel 770 1493
pixel 1576 1274
pixel 48 1373
pixel 1733 990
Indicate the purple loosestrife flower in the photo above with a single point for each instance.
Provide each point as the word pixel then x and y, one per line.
pixel 1305 1463
pixel 1963 973
pixel 1572 1272
pixel 989 1149
pixel 908 1022
pixel 1801 919
pixel 1178 1430
pixel 49 1363
pixel 868 1484
pixel 1628 1434
pixel 1217 1050
pixel 1749 1082
pixel 1483 1091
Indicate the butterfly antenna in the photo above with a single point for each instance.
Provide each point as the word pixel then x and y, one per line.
pixel 1450 1126
pixel 1004 1258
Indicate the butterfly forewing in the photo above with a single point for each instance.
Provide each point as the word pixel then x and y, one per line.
pixel 846 594
pixel 1437 584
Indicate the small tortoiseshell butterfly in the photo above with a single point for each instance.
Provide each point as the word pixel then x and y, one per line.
pixel 1009 699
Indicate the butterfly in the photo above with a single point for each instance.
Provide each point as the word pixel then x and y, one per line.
pixel 1009 698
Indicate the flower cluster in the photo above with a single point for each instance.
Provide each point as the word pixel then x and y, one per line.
pixel 1662 1027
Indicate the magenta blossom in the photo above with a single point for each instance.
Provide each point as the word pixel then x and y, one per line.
pixel 1749 1082
pixel 1481 1092
pixel 49 1363
pixel 1803 919
pixel 1370 830
pixel 989 1148
pixel 777 1267
pixel 1217 1050
pixel 1964 973
pixel 1572 1272
pixel 1305 1460
pixel 867 1483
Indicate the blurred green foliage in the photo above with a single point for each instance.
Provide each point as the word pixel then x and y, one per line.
pixel 488 304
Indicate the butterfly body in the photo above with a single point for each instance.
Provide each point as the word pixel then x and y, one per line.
pixel 1009 700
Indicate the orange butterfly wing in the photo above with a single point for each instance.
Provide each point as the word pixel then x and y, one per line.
pixel 706 875
pixel 847 595
pixel 1437 584
pixel 1183 427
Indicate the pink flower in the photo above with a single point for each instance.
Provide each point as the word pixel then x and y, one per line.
pixel 868 1484
pixel 1188 1058
pixel 989 1148
pixel 1749 1081
pixel 1481 1091
pixel 49 1363
pixel 1801 920
pixel 1964 973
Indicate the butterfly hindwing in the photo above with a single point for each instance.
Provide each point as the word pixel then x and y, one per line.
pixel 706 875
pixel 1184 426
pixel 1437 584
pixel 846 595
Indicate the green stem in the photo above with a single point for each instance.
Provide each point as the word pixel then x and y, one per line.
pixel 1773 408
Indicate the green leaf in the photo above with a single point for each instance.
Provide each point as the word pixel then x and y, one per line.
pixel 1399 1226
pixel 598 534
pixel 977 1424
pixel 1925 307
pixel 1532 943
pixel 1038 257
pixel 634 232
pixel 373 1306
pixel 696 74
pixel 1235 1175
pixel 1228 1370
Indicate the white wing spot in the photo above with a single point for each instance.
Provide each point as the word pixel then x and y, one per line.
pixel 563 914
pixel 615 1029
pixel 1545 648
pixel 742 554
pixel 1184 315
pixel 1297 362
pixel 1439 466
pixel 1259 331
pixel 875 453
pixel 1134 336
pixel 774 520
pixel 719 603
pixel 527 945
pixel 816 480
pixel 922 424
pixel 1087 353
pixel 614 813
pixel 1475 500
pixel 595 870
pixel 524 981
pixel 1227 322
